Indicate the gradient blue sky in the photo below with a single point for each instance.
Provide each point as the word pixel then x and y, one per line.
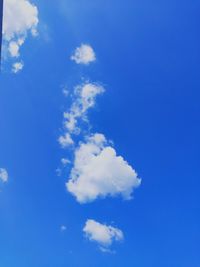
pixel 148 60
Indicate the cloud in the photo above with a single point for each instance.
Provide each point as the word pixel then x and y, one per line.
pixel 65 92
pixel 63 228
pixel 99 172
pixel 106 250
pixel 17 66
pixel 20 18
pixel 65 140
pixel 84 99
pixel 104 235
pixel 85 96
pixel 84 55
pixel 65 161
pixel 14 47
pixel 3 175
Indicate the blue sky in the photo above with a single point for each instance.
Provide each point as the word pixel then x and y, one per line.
pixel 147 60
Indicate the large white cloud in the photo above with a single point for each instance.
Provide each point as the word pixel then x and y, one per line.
pixel 84 98
pixel 84 54
pixel 20 18
pixel 104 235
pixel 99 172
pixel 3 175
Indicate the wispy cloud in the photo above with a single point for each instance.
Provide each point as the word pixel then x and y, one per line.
pixel 65 161
pixel 83 99
pixel 3 175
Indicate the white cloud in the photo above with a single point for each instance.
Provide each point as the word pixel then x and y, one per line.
pixel 65 140
pixel 85 96
pixel 20 18
pixel 104 235
pixel 99 172
pixel 84 55
pixel 3 175
pixel 14 47
pixel 106 250
pixel 17 66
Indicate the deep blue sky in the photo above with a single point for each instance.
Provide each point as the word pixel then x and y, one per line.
pixel 1 15
pixel 148 60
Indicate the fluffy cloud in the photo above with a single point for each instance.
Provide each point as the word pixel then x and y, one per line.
pixel 17 66
pixel 3 175
pixel 104 235
pixel 65 140
pixel 84 55
pixel 84 99
pixel 14 47
pixel 99 172
pixel 20 18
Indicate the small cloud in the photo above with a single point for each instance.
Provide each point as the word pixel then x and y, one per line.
pixel 17 66
pixel 3 175
pixel 65 90
pixel 65 140
pixel 107 250
pixel 63 228
pixel 104 235
pixel 84 55
pixel 58 172
pixel 65 161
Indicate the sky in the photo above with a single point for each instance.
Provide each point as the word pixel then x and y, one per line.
pixel 99 139
pixel 1 16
